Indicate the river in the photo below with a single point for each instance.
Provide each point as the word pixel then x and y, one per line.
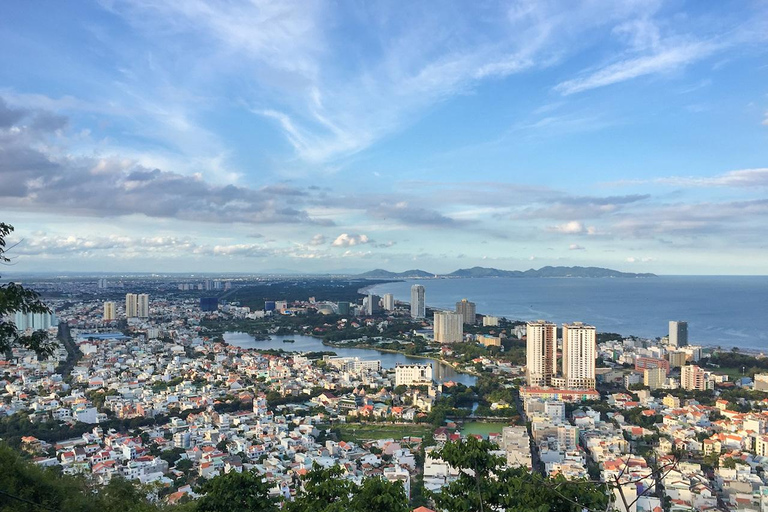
pixel 440 371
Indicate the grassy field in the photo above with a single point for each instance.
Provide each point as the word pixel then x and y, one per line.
pixel 732 373
pixel 356 433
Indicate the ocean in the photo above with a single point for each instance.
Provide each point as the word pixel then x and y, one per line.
pixel 726 311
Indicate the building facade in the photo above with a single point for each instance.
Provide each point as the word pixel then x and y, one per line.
pixel 131 305
pixel 654 378
pixel 142 306
pixel 540 348
pixel 693 378
pixel 579 354
pixel 418 301
pixel 410 374
pixel 449 327
pixel 109 311
pixel 467 310
pixel 389 301
pixel 678 333
pixel 372 304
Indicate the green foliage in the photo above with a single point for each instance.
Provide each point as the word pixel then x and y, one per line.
pixel 29 488
pixel 237 492
pixel 485 484
pixel 324 490
pixel 14 297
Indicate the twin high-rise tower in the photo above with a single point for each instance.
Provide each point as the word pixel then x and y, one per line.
pixel 136 305
pixel 579 353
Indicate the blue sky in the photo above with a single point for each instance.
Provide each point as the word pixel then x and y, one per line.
pixel 339 136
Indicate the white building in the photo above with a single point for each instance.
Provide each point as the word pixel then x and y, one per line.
pixel 579 354
pixel 490 321
pixel 410 374
pixel 34 321
pixel 449 327
pixel 540 352
pixel 389 301
pixel 678 333
pixel 418 301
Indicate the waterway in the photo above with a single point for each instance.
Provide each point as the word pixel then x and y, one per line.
pixel 441 372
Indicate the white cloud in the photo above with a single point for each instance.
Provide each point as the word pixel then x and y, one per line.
pixel 666 60
pixel 576 247
pixel 571 227
pixel 743 178
pixel 765 121
pixel 633 259
pixel 349 240
pixel 574 227
pixel 317 240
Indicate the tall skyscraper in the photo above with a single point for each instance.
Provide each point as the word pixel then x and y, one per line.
pixel 142 309
pixel 678 333
pixel 109 311
pixel 418 301
pixel 579 353
pixel 343 308
pixel 389 302
pixel 540 352
pixel 131 305
pixel 372 304
pixel 449 327
pixel 103 283
pixel 467 310
pixel 209 304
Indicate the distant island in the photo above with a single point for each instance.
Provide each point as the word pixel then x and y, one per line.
pixel 495 272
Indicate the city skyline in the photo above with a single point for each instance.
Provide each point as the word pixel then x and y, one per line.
pixel 319 137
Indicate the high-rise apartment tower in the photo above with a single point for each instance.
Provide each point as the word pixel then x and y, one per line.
pixel 418 301
pixel 540 350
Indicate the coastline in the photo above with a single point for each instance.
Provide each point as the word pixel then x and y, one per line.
pixel 710 345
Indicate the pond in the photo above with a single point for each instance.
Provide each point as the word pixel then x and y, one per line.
pixel 440 371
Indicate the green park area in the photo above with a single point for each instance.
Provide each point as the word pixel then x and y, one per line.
pixel 357 432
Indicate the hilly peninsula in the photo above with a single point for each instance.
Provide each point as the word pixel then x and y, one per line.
pixel 474 272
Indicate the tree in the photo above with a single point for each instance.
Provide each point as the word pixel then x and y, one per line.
pixel 485 484
pixel 324 490
pixel 379 495
pixel 237 492
pixel 13 298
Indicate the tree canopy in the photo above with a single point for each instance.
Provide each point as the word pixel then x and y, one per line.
pixel 13 298
pixel 485 484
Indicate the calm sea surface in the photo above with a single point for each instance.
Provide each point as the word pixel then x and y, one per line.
pixel 720 310
pixel 440 371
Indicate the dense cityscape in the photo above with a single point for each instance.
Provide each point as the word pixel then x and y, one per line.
pixel 383 256
pixel 142 386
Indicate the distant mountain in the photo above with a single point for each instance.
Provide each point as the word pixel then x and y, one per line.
pixel 385 274
pixel 495 272
pixel 485 272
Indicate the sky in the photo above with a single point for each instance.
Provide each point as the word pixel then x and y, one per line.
pixel 343 136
